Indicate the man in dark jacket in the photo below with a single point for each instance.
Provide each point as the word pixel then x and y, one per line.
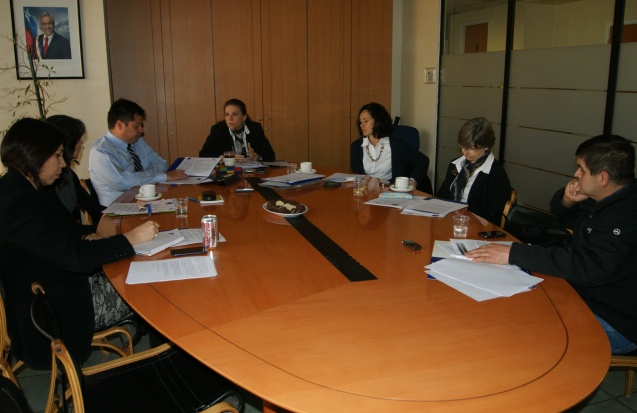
pixel 600 205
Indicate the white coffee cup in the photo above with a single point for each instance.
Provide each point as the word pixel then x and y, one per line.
pixel 402 182
pixel 147 191
pixel 306 166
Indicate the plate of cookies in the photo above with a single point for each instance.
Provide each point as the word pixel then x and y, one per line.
pixel 285 208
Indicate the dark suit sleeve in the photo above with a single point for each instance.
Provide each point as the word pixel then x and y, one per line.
pixel 216 144
pixel 259 142
pixel 489 193
pixel 46 229
pixel 445 189
pixel 499 191
pixel 356 157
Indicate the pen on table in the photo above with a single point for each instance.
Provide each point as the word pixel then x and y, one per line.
pixel 150 210
pixel 193 199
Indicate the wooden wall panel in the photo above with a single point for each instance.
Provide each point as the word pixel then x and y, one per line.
pixel 285 81
pixel 328 72
pixel 135 53
pixel 237 51
pixel 371 53
pixel 303 68
pixel 189 75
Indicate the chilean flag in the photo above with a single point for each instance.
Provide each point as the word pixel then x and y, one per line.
pixel 31 31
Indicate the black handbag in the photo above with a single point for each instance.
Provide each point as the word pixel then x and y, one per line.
pixel 536 227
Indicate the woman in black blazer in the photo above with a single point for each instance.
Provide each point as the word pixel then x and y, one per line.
pixel 40 241
pixel 237 133
pixel 376 154
pixel 68 187
pixel 477 178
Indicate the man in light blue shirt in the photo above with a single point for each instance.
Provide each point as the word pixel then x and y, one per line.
pixel 121 159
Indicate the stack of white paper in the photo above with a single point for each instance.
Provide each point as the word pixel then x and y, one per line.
pixel 482 281
pixel 297 178
pixel 420 205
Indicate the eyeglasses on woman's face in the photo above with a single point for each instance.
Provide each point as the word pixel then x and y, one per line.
pixel 470 149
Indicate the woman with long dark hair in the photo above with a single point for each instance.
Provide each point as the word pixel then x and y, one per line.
pixel 379 155
pixel 41 241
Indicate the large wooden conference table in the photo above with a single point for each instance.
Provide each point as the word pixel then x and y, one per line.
pixel 331 313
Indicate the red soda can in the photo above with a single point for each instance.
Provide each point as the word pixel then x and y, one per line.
pixel 210 228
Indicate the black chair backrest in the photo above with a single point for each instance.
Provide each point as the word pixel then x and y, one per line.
pixel 407 133
pixel 91 191
pixel 536 227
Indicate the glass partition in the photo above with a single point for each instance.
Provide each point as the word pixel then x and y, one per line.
pixel 557 89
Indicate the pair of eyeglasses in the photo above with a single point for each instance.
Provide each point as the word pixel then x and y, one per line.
pixel 469 149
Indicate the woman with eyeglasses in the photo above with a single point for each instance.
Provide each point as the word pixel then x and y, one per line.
pixel 476 177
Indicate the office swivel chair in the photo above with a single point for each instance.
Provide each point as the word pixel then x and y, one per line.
pixel 411 135
pixel 162 379
pixel 407 133
pixel 104 340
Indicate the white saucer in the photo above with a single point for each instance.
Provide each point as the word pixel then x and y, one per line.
pixel 408 189
pixel 150 198
pixel 313 171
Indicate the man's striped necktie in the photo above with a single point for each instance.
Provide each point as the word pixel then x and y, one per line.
pixel 138 163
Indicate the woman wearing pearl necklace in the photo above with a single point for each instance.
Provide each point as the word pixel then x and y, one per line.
pixel 379 155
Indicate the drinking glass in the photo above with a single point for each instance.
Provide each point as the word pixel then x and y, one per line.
pixel 460 226
pixel 181 207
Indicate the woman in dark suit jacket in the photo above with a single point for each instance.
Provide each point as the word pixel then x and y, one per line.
pixel 378 155
pixel 477 178
pixel 68 187
pixel 237 133
pixel 40 241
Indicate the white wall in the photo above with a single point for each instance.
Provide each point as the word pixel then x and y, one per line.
pixel 417 25
pixel 89 98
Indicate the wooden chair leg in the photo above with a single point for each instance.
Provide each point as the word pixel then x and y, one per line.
pixel 630 380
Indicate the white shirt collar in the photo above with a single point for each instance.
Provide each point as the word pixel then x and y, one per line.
pixel 485 167
pixel 246 130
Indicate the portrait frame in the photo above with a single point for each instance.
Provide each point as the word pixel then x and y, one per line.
pixel 63 58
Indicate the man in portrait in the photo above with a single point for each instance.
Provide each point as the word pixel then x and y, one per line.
pixel 50 44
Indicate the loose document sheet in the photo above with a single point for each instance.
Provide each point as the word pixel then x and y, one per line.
pixel 479 281
pixel 341 177
pixel 140 208
pixel 201 167
pixel 186 268
pixel 419 205
pixel 251 163
pixel 291 180
pixel 193 236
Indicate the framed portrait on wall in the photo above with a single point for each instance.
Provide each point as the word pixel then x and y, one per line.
pixel 48 40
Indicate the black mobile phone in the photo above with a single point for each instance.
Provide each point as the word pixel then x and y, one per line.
pixel 492 234
pixel 331 184
pixel 180 252
pixel 411 244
